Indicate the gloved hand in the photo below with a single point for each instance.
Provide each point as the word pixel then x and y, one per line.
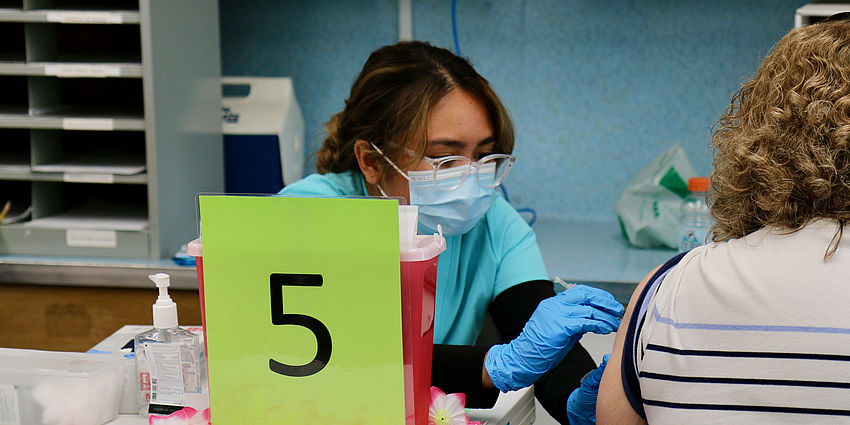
pixel 556 325
pixel 581 405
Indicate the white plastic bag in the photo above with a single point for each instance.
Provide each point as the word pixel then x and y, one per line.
pixel 649 209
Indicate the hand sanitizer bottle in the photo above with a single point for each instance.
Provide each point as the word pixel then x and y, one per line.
pixel 168 358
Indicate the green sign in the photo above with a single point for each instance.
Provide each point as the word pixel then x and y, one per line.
pixel 302 310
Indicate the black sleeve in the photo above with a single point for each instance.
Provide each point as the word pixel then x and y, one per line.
pixel 457 369
pixel 510 311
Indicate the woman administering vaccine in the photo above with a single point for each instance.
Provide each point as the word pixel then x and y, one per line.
pixel 421 124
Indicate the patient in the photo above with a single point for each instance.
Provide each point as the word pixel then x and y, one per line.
pixel 755 327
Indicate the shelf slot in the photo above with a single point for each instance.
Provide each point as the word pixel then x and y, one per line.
pixel 19 194
pixel 132 5
pixel 81 43
pixel 13 48
pixel 14 150
pixel 89 206
pixel 86 97
pixel 13 95
pixel 11 4
pixel 88 152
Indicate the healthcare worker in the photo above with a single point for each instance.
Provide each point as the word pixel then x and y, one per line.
pixel 421 124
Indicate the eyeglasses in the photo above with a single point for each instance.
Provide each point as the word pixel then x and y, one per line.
pixel 449 172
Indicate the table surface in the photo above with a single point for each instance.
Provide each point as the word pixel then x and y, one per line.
pixel 595 253
pixel 589 252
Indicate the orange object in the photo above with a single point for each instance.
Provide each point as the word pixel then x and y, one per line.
pixel 699 184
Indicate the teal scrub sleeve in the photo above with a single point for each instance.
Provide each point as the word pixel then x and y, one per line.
pixel 348 183
pixel 515 243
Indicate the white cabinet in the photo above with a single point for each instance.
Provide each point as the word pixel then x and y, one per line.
pixel 109 124
pixel 814 12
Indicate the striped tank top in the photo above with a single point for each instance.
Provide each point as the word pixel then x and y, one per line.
pixel 754 330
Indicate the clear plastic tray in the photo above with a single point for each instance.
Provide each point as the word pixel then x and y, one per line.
pixel 53 387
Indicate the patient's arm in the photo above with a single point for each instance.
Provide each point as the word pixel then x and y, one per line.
pixel 612 406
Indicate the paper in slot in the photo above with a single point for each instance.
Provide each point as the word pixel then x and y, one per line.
pixel 98 162
pixel 97 214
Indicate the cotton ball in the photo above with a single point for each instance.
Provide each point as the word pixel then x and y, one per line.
pixel 63 402
pixel 76 402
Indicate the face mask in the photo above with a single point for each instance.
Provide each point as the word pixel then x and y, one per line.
pixel 457 210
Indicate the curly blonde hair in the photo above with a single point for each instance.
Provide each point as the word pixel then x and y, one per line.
pixel 782 149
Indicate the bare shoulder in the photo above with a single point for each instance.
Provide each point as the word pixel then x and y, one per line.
pixel 612 406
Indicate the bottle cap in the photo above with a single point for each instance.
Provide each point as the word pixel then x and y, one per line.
pixel 698 184
pixel 165 309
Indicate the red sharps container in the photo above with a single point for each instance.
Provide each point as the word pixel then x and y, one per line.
pixel 195 249
pixel 418 254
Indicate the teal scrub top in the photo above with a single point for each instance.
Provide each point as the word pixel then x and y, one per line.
pixel 499 252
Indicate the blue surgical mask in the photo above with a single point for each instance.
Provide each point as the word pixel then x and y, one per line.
pixel 457 210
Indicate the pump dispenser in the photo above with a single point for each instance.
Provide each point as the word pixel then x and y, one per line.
pixel 169 360
pixel 165 309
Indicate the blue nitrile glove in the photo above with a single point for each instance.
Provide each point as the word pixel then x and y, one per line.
pixel 581 405
pixel 556 325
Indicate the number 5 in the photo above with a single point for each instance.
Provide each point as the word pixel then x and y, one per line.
pixel 323 338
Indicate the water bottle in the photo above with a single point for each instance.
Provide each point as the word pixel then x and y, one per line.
pixel 696 219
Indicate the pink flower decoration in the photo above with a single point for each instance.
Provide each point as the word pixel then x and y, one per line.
pixel 448 409
pixel 184 416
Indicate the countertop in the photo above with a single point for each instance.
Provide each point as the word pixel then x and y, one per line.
pixel 590 252
pixel 595 253
pixel 106 272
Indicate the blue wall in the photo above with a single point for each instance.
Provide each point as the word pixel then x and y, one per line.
pixel 596 88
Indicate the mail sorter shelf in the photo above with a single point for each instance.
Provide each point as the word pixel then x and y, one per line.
pixel 71 103
pixel 84 5
pixel 92 219
pixel 80 97
pixel 79 156
pixel 12 49
pixel 107 126
pixel 14 151
pixel 83 43
pixel 116 153
pixel 68 11
pixel 69 50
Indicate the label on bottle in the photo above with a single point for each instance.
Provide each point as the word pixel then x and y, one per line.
pixel 691 237
pixel 145 383
pixel 9 413
pixel 166 373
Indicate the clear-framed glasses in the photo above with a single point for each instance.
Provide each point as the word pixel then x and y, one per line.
pixel 449 172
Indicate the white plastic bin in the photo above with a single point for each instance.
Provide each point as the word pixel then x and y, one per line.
pixel 53 387
pixel 263 135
